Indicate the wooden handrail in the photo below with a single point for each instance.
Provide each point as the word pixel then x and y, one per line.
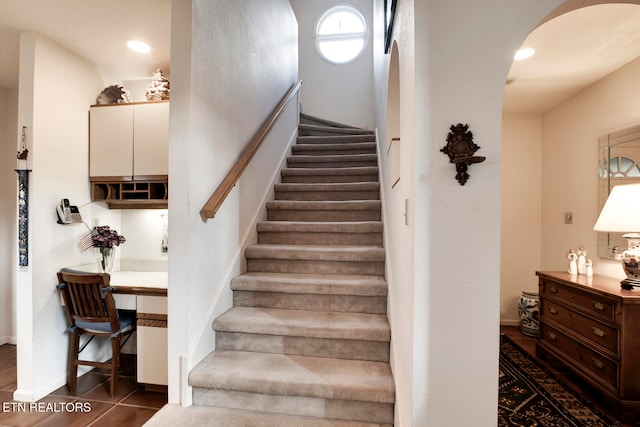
pixel 218 197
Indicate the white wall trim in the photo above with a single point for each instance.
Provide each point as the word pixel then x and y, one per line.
pixel 387 262
pixel 186 393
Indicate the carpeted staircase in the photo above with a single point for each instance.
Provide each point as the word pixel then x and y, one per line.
pixel 307 340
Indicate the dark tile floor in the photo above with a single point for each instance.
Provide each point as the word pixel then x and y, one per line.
pixel 90 405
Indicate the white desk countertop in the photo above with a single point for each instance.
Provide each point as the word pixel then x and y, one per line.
pixel 143 279
pixel 139 282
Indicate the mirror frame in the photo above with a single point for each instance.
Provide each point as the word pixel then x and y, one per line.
pixel 612 244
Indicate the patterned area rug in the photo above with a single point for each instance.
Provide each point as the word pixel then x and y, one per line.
pixel 531 397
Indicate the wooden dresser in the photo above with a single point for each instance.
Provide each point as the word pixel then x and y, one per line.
pixel 593 326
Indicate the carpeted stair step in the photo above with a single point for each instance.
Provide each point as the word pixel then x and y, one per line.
pixel 354 336
pixel 328 175
pixel 335 139
pixel 318 130
pixel 328 192
pixel 307 119
pixel 295 385
pixel 209 416
pixel 332 161
pixel 353 210
pixel 320 233
pixel 334 149
pixel 361 260
pixel 355 294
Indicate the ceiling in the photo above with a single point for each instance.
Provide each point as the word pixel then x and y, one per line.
pixel 573 50
pixel 94 29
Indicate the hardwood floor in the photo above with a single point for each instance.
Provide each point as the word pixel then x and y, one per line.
pixel 525 342
pixel 90 405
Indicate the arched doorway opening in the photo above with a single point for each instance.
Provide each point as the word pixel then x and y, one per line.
pixel 393 117
pixel 557 104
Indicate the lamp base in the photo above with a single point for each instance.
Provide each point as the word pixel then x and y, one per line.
pixel 629 284
pixel 631 261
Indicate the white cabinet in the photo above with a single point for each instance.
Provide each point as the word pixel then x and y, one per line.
pixel 129 140
pixel 111 141
pixel 129 154
pixel 152 339
pixel 151 139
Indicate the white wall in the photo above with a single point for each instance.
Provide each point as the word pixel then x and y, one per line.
pixel 340 92
pixel 460 61
pixel 521 236
pixel 231 64
pixel 144 230
pixel 8 237
pixel 570 163
pixel 56 89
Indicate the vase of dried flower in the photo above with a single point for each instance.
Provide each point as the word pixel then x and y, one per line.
pixel 105 258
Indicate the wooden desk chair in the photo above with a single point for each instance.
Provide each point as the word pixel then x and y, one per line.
pixel 90 309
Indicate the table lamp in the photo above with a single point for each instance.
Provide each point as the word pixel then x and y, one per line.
pixel 621 214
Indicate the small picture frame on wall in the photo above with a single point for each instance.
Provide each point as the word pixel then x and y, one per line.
pixel 389 15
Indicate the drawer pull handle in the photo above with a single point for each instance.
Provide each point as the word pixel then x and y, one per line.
pixel 598 306
pixel 597 363
pixel 553 310
pixel 598 332
pixel 553 289
pixel 552 336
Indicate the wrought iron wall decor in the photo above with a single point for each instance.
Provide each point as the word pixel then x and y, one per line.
pixel 461 149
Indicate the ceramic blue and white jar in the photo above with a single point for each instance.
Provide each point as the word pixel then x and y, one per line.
pixel 529 313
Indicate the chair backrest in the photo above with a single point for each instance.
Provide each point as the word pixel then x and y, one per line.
pixel 88 300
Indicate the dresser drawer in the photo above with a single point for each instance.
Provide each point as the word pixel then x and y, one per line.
pixel 595 304
pixel 602 368
pixel 596 332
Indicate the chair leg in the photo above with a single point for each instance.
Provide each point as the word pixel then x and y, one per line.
pixel 72 371
pixel 115 365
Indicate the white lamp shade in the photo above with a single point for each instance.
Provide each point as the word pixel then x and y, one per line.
pixel 621 212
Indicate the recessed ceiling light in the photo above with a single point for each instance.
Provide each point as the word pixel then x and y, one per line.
pixel 524 54
pixel 138 46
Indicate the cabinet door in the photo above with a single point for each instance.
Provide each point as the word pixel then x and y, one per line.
pixel 151 136
pixel 111 141
pixel 151 341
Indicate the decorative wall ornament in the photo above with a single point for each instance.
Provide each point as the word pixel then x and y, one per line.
pixel 460 148
pixel 114 94
pixel 23 201
pixel 159 88
pixel 23 153
pixel 23 217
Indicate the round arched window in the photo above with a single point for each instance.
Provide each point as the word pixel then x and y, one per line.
pixel 341 34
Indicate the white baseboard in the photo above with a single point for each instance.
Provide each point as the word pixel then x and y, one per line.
pixel 506 322
pixel 23 396
pixel 8 340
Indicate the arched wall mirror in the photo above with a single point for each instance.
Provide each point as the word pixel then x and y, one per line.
pixel 618 164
